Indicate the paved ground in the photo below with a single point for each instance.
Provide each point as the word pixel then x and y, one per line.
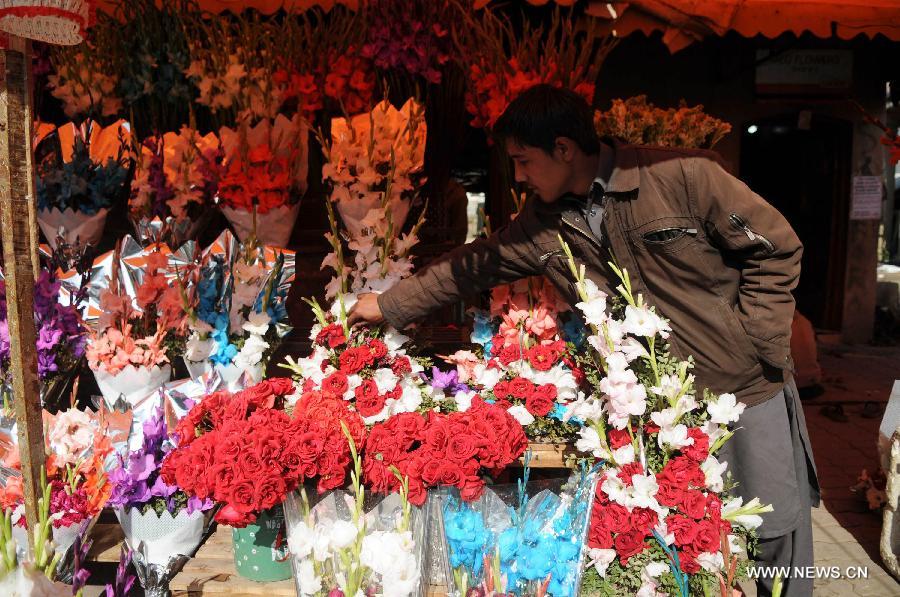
pixel 845 532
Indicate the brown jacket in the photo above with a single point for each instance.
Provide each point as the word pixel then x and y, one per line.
pixel 722 273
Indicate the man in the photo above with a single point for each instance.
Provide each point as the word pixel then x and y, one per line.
pixel 712 256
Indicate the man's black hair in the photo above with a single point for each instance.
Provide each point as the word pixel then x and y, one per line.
pixel 542 113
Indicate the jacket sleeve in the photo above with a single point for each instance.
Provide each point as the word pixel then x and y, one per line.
pixel 503 257
pixel 759 238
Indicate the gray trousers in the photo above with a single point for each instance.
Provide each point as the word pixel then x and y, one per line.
pixel 771 458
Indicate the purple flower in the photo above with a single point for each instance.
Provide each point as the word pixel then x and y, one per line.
pixel 48 337
pixel 443 380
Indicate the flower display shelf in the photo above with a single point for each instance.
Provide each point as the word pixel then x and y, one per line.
pixel 212 572
pixel 551 455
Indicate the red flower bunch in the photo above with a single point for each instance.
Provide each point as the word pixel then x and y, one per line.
pixel 442 450
pixel 300 89
pixel 491 92
pixel 694 512
pixel 350 80
pixel 377 381
pixel 263 178
pixel 246 453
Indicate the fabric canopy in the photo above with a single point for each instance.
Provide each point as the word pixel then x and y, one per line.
pixel 685 21
pixel 237 6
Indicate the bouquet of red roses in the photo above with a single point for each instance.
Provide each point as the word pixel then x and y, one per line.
pixel 454 450
pixel 246 453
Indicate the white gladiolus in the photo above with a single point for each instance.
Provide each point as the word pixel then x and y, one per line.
pixel 713 471
pixel 675 437
pixel 521 414
pixel 600 559
pixel 725 410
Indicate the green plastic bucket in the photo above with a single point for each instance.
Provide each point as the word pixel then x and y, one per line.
pixel 260 549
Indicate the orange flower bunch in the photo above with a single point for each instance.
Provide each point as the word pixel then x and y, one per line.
pixel 126 336
pixel 265 165
pixel 638 121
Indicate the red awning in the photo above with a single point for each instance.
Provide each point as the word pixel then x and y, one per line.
pixel 685 21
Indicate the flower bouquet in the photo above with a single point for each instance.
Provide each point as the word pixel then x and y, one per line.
pixel 162 524
pixel 662 520
pixel 133 339
pixel 78 448
pixel 61 339
pixel 236 313
pixel 38 576
pixel 176 176
pixel 638 121
pixel 375 161
pixel 263 176
pixel 246 453
pixel 83 170
pixel 369 368
pixel 527 540
pixel 521 361
pixel 346 545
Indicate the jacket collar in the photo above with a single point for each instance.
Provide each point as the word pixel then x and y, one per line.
pixel 625 176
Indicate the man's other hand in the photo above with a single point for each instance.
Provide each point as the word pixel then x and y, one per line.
pixel 366 310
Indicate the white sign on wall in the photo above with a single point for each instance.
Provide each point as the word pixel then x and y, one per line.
pixel 865 201
pixel 804 71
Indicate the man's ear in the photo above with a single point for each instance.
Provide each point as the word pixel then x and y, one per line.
pixel 565 148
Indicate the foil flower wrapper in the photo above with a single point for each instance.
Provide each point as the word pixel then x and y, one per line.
pixel 162 544
pixel 535 531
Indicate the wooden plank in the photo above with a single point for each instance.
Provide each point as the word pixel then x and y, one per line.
pixel 20 258
pixel 107 543
pixel 550 455
pixel 212 572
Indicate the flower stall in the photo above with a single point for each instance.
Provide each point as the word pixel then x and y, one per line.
pixel 155 429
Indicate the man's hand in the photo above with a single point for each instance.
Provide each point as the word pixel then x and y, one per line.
pixel 366 310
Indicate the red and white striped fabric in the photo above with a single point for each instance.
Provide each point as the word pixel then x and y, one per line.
pixel 60 22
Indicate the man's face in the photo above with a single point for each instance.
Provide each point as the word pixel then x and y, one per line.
pixel 548 175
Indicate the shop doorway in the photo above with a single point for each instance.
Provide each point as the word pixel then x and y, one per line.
pixel 802 166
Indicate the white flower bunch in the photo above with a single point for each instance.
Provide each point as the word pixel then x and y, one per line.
pixel 84 85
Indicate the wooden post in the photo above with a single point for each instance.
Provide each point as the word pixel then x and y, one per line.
pixel 17 215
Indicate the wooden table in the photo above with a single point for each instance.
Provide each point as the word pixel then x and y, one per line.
pixel 211 572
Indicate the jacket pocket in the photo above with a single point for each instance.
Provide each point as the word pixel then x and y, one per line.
pixel 665 235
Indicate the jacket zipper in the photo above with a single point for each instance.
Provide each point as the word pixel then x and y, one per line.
pixel 741 224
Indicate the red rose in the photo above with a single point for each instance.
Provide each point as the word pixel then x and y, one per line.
pixel 629 470
pixel 501 390
pixel 234 518
pixel 243 497
pixel 693 503
pixel 510 354
pixel 368 402
pixel 269 492
pixel 707 537
pixel 541 400
pixel 683 528
pixel 258 396
pixel 335 385
pixel 436 436
pixel 600 537
pixel 431 471
pixel 401 366
pixel 521 388
pixel 616 518
pixel 618 438
pixel 651 428
pixel 461 447
pixel 699 450
pixel 224 477
pixel 685 472
pixel 714 506
pixel 497 345
pixel 309 446
pixel 688 560
pixel 471 488
pixel 644 520
pixel 281 386
pixel 669 492
pixel 378 348
pixel 629 544
pixel 354 359
pixel 332 335
pixel 542 357
pixel 450 474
